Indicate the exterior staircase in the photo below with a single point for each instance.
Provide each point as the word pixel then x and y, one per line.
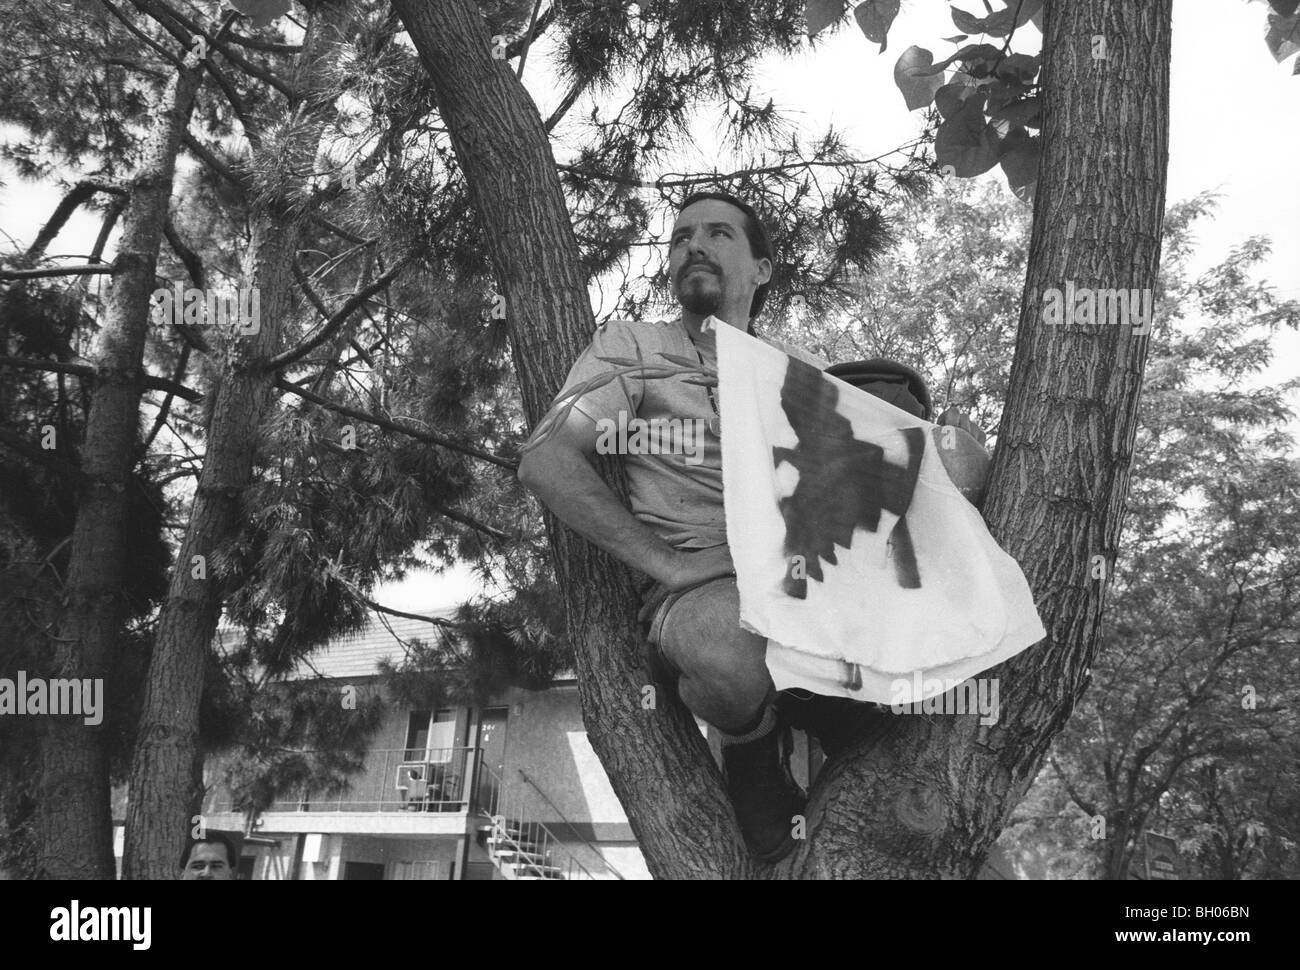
pixel 521 848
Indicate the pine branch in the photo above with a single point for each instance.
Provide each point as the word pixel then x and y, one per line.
pixel 88 371
pixel 33 274
pixel 170 21
pixel 157 48
pixel 177 377
pixel 688 180
pixel 340 316
pixel 567 102
pixel 76 197
pixel 385 423
pixel 209 159
pixel 314 298
pixel 473 523
pixel 339 230
pixel 264 45
pixel 192 261
pixel 217 42
pixel 194 266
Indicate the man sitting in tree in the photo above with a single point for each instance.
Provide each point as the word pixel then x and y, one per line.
pixel 720 264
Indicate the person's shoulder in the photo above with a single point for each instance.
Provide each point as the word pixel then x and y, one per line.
pixel 644 333
pixel 639 326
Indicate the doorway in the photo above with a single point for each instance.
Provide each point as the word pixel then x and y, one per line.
pixel 492 752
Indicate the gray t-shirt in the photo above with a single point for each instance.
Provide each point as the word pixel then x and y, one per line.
pixel 674 467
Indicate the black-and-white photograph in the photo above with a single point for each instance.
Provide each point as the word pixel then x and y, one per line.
pixel 685 440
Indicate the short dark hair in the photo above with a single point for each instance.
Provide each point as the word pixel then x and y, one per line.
pixel 211 838
pixel 760 243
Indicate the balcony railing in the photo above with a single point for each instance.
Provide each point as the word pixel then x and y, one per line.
pixel 390 780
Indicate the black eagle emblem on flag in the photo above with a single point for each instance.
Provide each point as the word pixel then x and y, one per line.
pixel 843 484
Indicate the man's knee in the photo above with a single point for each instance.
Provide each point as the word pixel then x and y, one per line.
pixel 703 638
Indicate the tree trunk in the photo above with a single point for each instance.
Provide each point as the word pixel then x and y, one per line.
pixel 656 759
pixel 74 824
pixel 166 786
pixel 930 798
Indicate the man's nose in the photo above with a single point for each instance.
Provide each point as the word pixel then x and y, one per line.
pixel 696 244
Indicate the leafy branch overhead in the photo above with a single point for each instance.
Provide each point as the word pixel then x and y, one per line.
pixel 988 103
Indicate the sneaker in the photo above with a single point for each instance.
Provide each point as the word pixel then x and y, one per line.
pixel 764 795
pixel 836 722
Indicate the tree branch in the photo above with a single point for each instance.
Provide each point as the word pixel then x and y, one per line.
pixel 214 163
pixel 69 204
pixel 149 42
pixel 217 42
pixel 687 180
pixel 88 371
pixel 193 263
pixel 340 316
pixel 33 274
pixel 264 45
pixel 380 422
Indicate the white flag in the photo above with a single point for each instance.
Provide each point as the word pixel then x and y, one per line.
pixel 856 556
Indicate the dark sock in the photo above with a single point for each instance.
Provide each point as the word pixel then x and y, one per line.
pixel 759 726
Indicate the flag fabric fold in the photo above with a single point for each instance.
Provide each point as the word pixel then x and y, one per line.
pixel 856 556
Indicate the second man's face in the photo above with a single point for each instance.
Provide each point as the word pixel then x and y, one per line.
pixel 709 260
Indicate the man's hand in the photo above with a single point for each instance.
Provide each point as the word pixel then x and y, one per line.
pixel 690 568
pixel 958 419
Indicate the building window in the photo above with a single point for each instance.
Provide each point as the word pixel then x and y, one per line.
pixel 416 870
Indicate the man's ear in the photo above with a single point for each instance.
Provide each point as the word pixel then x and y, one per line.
pixel 764 272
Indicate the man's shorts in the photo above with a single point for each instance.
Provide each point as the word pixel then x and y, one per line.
pixel 657 602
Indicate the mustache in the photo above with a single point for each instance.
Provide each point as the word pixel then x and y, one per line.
pixel 681 274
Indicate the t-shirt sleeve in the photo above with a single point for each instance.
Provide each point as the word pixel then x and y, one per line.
pixel 623 393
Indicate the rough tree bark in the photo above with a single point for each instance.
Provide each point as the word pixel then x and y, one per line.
pixel 74 825
pixel 166 770
pixel 931 795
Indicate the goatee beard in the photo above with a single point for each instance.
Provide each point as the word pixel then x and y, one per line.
pixel 704 303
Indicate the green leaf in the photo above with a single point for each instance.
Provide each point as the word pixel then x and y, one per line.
pixel 918 88
pixel 1283 37
pixel 820 14
pixel 875 18
pixel 1018 67
pixel 1000 23
pixel 956 38
pixel 1284 7
pixel 967 23
pixel 1020 155
pixel 1025 112
pixel 965 142
pixel 975 56
pixel 950 98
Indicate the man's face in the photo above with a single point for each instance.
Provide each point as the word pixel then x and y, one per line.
pixel 709 260
pixel 208 861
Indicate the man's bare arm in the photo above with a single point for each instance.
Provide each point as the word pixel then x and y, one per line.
pixel 560 473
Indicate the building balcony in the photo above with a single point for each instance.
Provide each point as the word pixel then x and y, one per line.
pixel 397 790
